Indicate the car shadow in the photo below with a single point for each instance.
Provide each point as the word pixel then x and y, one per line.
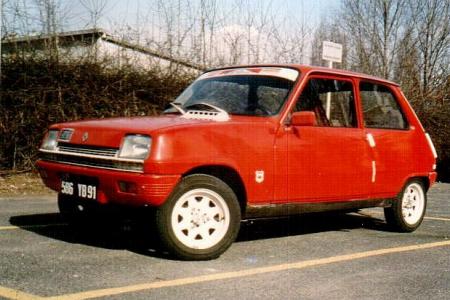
pixel 308 224
pixel 136 234
pixel 108 232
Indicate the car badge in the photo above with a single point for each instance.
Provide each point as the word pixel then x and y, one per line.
pixel 85 137
pixel 259 176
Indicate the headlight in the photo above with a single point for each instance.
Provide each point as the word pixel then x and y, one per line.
pixel 49 142
pixel 135 147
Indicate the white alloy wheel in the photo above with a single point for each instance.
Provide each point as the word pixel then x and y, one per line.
pixel 200 218
pixel 413 203
pixel 407 211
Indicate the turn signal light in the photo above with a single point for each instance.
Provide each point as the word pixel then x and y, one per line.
pixel 127 187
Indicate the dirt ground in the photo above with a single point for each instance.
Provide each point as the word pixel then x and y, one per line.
pixel 22 185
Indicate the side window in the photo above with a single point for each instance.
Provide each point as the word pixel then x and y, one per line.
pixel 331 100
pixel 380 108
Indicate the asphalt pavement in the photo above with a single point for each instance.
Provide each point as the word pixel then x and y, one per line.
pixel 318 256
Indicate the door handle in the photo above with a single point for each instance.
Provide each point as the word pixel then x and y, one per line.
pixel 370 140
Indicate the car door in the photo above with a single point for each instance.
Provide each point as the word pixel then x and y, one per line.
pixel 390 136
pixel 331 160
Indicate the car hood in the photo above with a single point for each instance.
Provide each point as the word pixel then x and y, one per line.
pixel 109 132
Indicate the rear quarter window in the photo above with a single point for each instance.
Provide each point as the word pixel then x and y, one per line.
pixel 380 107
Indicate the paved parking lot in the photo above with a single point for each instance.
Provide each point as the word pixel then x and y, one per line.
pixel 326 256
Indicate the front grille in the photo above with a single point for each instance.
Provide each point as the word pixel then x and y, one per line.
pixel 89 156
pixel 92 150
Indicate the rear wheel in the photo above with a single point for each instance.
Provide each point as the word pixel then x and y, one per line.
pixel 201 218
pixel 407 212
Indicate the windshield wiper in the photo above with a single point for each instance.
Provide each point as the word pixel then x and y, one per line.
pixel 169 109
pixel 178 107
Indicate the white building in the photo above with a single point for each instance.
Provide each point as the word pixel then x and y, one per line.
pixel 94 44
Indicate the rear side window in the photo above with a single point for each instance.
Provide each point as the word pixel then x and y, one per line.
pixel 380 108
pixel 331 100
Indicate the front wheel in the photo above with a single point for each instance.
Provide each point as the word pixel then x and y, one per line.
pixel 407 212
pixel 201 218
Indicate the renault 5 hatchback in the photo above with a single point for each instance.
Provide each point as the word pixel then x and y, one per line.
pixel 247 142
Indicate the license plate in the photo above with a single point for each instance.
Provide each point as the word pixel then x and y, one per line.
pixel 80 190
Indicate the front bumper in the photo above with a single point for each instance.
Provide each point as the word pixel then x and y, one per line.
pixel 150 189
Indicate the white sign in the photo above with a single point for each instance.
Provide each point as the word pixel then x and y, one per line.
pixel 332 51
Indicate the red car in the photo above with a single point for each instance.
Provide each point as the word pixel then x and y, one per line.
pixel 247 142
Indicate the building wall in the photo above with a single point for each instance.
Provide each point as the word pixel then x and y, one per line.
pixel 97 49
pixel 126 56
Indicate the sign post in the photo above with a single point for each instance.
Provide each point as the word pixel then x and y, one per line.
pixel 332 52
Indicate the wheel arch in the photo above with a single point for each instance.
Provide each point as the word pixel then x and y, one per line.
pixel 422 178
pixel 228 175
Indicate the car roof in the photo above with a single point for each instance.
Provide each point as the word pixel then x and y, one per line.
pixel 313 69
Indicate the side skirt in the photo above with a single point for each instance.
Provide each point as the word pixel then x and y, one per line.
pixel 280 210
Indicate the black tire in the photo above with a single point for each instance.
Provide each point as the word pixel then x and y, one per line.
pixel 408 210
pixel 200 219
pixel 75 211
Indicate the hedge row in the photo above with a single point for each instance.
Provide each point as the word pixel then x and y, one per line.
pixel 38 92
pixel 435 118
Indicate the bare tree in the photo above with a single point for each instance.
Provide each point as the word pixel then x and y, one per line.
pixel 432 30
pixel 15 18
pixel 95 9
pixel 376 29
pixel 408 41
pixel 407 66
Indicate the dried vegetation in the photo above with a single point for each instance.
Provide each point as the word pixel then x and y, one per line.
pixel 38 92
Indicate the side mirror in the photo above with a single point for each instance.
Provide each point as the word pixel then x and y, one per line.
pixel 303 118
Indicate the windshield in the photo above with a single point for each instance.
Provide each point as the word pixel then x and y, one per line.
pixel 239 94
